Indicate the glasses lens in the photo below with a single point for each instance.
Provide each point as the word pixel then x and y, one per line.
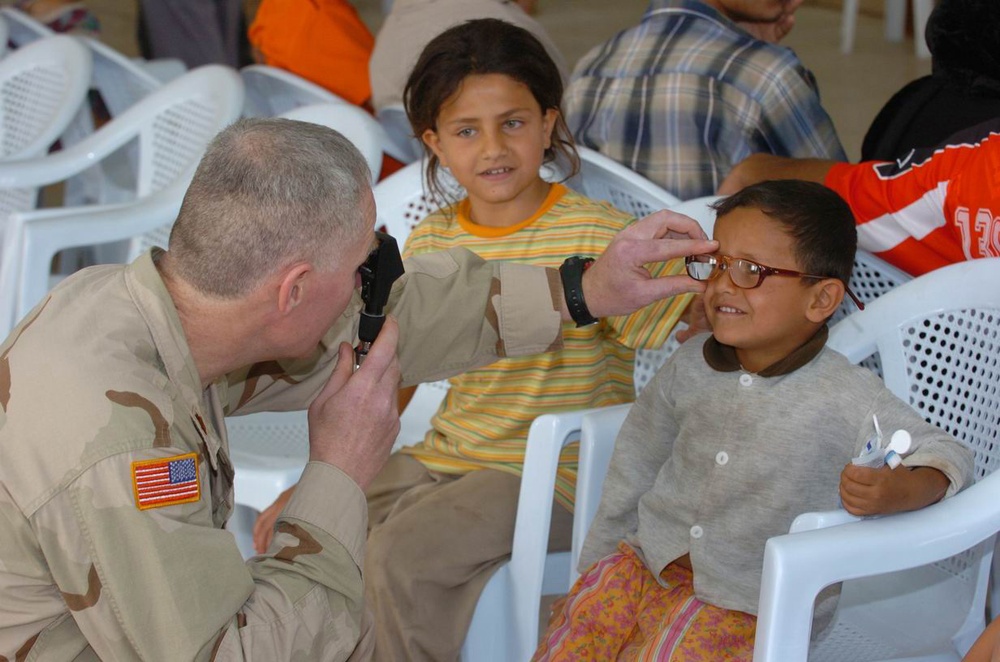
pixel 744 273
pixel 701 267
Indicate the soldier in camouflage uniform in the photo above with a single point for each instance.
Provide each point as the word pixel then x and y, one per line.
pixel 115 480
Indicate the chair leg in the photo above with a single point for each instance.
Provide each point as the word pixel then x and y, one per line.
pixel 921 12
pixel 895 20
pixel 848 22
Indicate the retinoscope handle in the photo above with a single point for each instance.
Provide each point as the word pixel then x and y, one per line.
pixel 383 266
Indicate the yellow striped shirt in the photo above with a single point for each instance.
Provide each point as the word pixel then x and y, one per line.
pixel 484 419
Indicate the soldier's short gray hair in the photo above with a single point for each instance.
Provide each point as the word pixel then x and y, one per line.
pixel 268 193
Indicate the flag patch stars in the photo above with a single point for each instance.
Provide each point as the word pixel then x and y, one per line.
pixel 166 482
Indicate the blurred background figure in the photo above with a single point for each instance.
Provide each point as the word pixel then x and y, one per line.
pixel 962 90
pixel 324 41
pixel 413 23
pixel 195 31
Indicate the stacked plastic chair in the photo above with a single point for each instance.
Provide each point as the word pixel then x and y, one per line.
pixel 172 126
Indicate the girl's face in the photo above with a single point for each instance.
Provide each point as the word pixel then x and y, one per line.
pixel 492 135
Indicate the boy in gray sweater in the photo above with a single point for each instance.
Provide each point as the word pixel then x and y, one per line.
pixel 736 435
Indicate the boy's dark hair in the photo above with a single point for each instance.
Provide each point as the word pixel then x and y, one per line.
pixel 819 222
pixel 485 46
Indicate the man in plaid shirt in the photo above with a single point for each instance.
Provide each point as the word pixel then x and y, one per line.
pixel 694 88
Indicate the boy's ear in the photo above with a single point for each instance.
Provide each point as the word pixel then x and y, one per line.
pixel 827 296
pixel 430 138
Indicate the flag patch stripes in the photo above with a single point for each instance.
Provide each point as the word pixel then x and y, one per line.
pixel 166 481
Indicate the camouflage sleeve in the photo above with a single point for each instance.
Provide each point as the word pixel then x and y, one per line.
pixel 456 312
pixel 159 582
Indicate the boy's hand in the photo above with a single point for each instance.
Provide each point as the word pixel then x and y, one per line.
pixel 867 491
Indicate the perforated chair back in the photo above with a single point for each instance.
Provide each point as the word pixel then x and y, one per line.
pixel 938 337
pixel 401 200
pixel 42 86
pixel 173 125
pixel 605 179
pixel 648 361
pixel 271 91
pixel 121 81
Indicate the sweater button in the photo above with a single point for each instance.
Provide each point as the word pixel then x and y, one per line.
pixel 746 379
pixel 696 531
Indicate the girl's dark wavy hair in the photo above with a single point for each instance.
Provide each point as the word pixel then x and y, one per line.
pixel 485 46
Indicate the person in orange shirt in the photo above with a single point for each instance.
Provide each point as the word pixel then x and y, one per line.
pixel 324 41
pixel 929 208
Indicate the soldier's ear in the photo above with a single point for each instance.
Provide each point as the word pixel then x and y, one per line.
pixel 292 287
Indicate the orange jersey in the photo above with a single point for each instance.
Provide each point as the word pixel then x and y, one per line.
pixel 324 41
pixel 933 208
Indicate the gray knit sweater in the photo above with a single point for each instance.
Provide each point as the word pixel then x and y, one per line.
pixel 713 460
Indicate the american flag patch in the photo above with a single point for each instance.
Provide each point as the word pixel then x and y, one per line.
pixel 166 482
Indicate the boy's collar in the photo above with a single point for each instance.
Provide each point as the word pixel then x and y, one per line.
pixel 723 357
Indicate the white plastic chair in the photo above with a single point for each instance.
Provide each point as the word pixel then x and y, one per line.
pixel 926 572
pixel 406 148
pixel 173 125
pixel 602 178
pixel 353 123
pixel 940 341
pixel 895 23
pixel 42 86
pixel 271 91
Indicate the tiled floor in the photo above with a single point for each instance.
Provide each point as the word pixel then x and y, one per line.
pixel 853 87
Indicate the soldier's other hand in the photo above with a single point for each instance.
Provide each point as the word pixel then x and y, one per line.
pixel 619 283
pixel 355 419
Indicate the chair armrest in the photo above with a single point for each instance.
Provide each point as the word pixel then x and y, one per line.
pixel 548 435
pixel 597 442
pixel 798 566
pixel 61 165
pixel 47 231
pixel 821 520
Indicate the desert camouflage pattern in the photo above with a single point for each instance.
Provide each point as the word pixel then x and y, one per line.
pixel 99 376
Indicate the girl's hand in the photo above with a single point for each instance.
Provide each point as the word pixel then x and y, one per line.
pixel 867 491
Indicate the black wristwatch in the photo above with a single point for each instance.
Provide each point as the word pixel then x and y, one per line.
pixel 571 273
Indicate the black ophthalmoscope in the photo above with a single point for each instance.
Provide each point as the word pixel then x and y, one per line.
pixel 378 273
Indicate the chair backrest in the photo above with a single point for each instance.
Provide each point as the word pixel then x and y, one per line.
pixel 121 81
pixel 938 337
pixel 42 86
pixel 356 125
pixel 173 126
pixel 403 145
pixel 22 29
pixel 401 201
pixel 648 361
pixel 602 178
pixel 271 91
